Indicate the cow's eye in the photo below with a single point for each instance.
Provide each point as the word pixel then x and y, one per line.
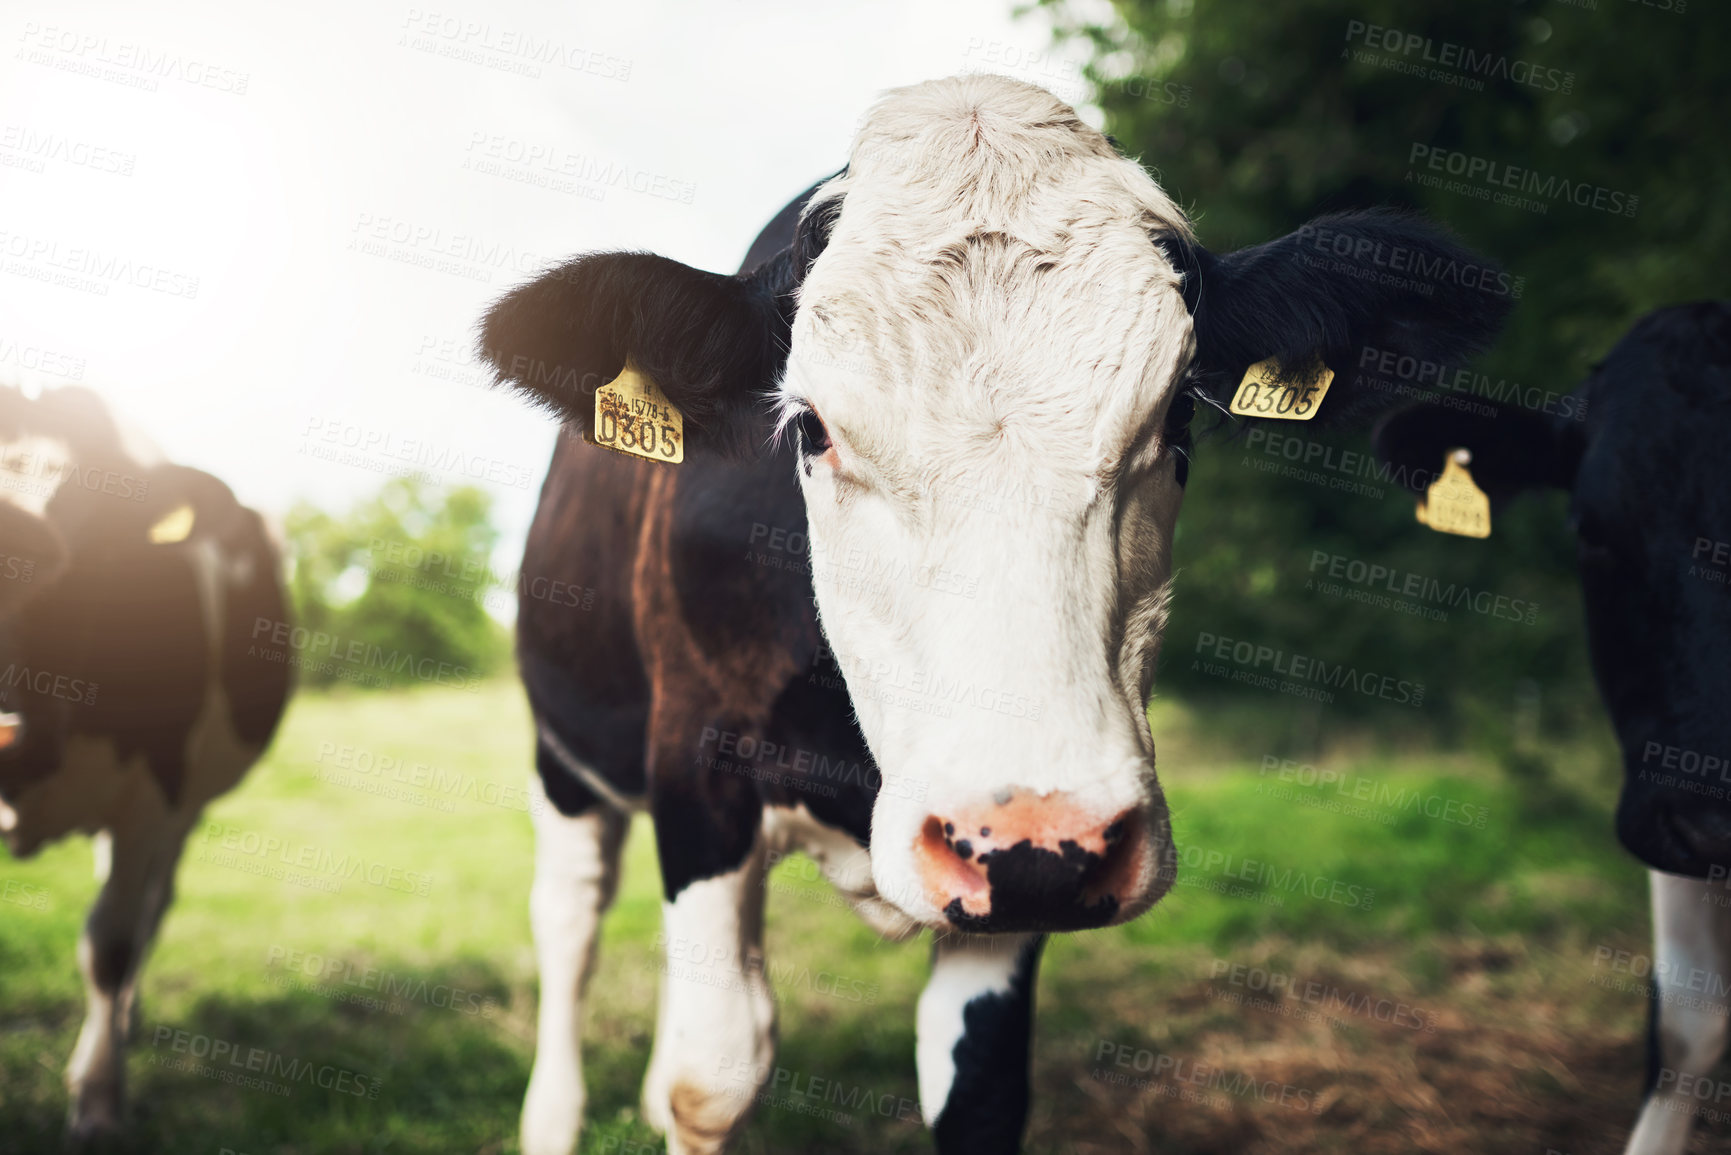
pixel 813 437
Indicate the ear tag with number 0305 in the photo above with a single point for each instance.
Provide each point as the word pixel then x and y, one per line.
pixel 633 415
pixel 1294 397
pixel 1454 503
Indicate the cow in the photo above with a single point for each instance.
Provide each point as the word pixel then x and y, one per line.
pixel 1634 448
pixel 130 695
pixel 958 378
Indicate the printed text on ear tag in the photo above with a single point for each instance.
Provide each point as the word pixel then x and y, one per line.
pixel 1453 503
pixel 1295 397
pixel 632 415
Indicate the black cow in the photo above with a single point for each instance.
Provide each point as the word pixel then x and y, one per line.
pixel 130 591
pixel 963 370
pixel 1636 446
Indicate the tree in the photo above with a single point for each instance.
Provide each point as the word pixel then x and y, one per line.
pixel 1577 143
pixel 397 587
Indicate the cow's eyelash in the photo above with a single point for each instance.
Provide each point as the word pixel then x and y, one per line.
pixel 796 413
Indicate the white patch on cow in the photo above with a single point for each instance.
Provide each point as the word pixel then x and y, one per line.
pixel 32 470
pixel 715 1026
pixel 845 864
pixel 963 968
pixel 992 339
pixel 1691 938
pixel 576 875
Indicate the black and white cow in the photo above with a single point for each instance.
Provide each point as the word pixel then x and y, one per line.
pixel 128 593
pixel 963 368
pixel 1637 448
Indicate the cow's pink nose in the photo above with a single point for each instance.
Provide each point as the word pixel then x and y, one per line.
pixel 1032 862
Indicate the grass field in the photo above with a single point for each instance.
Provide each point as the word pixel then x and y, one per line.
pixel 1438 930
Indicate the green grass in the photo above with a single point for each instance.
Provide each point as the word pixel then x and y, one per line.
pixel 1476 923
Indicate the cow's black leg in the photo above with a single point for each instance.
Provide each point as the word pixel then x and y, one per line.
pixel 1687 1034
pixel 136 860
pixel 976 1018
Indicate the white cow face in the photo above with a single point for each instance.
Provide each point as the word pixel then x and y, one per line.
pixel 987 336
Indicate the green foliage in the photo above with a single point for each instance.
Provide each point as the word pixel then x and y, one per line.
pixel 402 577
pixel 1257 117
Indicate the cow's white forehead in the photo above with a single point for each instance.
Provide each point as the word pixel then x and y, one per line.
pixel 991 278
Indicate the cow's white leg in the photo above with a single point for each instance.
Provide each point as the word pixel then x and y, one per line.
pixel 140 857
pixel 576 875
pixel 1691 968
pixel 715 1029
pixel 975 1020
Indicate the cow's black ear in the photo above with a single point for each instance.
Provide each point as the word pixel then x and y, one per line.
pixel 712 343
pixel 1513 449
pixel 1359 290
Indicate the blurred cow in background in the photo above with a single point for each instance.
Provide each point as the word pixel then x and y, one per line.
pixel 129 589
pixel 1650 504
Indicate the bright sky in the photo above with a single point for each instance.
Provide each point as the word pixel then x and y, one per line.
pixel 260 229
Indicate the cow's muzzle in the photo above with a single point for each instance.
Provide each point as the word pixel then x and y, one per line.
pixel 1033 862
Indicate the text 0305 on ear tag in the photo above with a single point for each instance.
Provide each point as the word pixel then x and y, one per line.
pixel 1294 397
pixel 632 415
pixel 1454 503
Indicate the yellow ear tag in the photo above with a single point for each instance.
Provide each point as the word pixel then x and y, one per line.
pixel 632 415
pixel 1296 397
pixel 1454 503
pixel 174 526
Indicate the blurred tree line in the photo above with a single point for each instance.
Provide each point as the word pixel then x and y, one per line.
pixel 1256 117
pixel 407 570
